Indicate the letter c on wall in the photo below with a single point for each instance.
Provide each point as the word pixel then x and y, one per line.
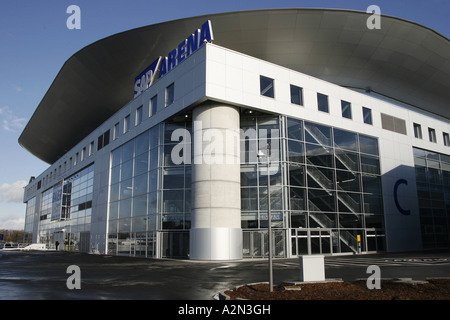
pixel 399 208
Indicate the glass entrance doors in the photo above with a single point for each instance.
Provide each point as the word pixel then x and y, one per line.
pixel 326 241
pixel 312 241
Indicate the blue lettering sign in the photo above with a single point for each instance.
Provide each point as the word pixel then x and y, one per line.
pixel 181 52
pixel 146 78
pixel 172 60
pixel 187 47
pixel 397 204
pixel 192 43
pixel 206 34
pixel 163 68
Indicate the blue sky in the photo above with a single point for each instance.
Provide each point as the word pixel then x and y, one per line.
pixel 35 42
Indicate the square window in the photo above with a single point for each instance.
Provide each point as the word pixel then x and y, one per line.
pixel 170 94
pixel 296 95
pixel 367 115
pixel 153 105
pixel 116 131
pixel 346 109
pixel 417 131
pixel 138 115
pixel 106 138
pixel 103 140
pixel 126 124
pixel 100 142
pixel 322 102
pixel 266 87
pixel 446 139
pixel 91 148
pixel 432 135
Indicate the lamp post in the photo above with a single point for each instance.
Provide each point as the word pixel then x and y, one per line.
pixel 269 215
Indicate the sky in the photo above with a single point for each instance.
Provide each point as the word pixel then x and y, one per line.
pixel 35 42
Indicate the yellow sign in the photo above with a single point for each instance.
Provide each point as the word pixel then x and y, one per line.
pixel 358 237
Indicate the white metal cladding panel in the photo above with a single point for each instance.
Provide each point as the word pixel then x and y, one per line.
pixel 234 77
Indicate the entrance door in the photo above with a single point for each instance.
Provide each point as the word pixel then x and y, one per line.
pixel 311 241
pixel 59 237
pixel 174 244
pixel 375 240
pixel 85 239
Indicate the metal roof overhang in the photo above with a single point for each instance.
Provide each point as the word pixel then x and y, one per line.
pixel 402 60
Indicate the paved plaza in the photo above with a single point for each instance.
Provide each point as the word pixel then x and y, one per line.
pixel 43 275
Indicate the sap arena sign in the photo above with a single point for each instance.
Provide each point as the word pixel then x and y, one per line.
pixel 181 52
pixel 146 78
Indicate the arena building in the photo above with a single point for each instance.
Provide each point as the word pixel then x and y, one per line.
pixel 175 139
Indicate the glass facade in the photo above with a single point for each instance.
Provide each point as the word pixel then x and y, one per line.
pixel 323 180
pixel 65 213
pixel 30 220
pixel 433 193
pixel 132 196
pixel 175 191
pixel 150 196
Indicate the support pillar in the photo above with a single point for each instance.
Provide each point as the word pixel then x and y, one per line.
pixel 216 232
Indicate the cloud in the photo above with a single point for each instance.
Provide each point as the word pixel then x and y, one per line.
pixel 11 122
pixel 12 193
pixel 12 222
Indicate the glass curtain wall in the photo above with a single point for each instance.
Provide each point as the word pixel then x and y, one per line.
pixel 321 178
pixel 175 192
pixel 262 133
pixel 433 193
pixel 68 221
pixel 133 196
pixel 29 221
pixel 150 196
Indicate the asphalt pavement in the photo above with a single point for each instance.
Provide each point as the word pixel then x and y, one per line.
pixel 50 275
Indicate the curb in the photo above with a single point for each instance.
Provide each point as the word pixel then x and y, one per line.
pixel 223 296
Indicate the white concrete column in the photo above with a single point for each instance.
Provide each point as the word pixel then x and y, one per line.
pixel 216 199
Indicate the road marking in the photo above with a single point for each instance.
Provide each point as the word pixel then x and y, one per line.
pixel 340 262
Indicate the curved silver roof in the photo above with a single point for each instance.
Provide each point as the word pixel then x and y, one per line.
pixel 402 60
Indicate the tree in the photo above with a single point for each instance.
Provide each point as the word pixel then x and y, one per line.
pixel 12 235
